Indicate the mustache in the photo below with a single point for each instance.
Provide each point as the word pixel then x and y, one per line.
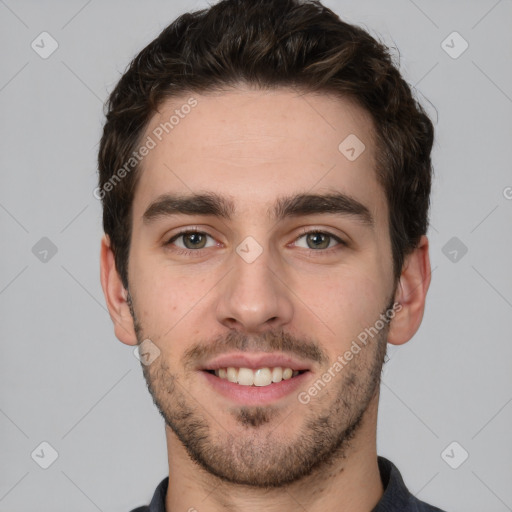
pixel 268 341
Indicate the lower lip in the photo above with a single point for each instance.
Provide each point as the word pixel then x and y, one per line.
pixel 256 395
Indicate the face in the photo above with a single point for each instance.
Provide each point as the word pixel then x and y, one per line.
pixel 260 272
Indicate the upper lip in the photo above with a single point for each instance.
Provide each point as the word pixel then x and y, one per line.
pixel 254 361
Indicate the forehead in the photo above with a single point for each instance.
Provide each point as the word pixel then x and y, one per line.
pixel 257 145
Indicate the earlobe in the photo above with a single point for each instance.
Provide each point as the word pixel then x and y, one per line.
pixel 116 296
pixel 411 293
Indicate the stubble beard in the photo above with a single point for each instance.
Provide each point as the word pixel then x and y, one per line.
pixel 253 454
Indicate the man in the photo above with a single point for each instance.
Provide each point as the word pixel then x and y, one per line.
pixel 265 176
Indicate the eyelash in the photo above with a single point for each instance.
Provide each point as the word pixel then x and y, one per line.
pixel 197 252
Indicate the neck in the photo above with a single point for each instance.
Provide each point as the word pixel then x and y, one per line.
pixel 351 482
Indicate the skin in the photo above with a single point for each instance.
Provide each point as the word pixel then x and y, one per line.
pixel 256 146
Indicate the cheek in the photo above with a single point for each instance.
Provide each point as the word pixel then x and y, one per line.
pixel 163 295
pixel 165 300
pixel 348 301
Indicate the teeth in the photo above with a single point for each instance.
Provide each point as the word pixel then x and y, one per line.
pixel 259 377
pixel 232 374
pixel 262 376
pixel 245 377
pixel 277 374
pixel 287 373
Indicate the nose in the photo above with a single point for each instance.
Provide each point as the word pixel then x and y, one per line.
pixel 254 297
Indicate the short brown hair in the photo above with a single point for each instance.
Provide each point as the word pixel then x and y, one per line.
pixel 269 44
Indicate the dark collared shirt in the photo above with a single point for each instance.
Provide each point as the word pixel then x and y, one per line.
pixel 396 497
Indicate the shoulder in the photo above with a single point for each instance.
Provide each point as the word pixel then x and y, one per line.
pixel 158 501
pixel 396 496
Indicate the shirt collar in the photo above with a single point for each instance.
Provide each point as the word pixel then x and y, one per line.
pixel 396 495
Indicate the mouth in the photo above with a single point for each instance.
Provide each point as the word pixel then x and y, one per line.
pixel 261 386
pixel 259 377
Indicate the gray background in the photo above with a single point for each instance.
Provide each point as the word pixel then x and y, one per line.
pixel 66 380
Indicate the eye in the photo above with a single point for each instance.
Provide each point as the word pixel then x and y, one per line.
pixel 192 240
pixel 316 239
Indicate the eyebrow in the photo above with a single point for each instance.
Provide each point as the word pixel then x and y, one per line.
pixel 298 205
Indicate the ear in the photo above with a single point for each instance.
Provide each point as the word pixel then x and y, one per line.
pixel 116 295
pixel 411 293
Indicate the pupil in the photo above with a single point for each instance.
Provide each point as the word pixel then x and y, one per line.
pixel 314 236
pixel 192 237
